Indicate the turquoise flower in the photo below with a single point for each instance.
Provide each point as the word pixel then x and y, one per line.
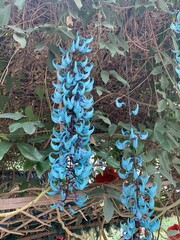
pixel 72 111
pixel 137 197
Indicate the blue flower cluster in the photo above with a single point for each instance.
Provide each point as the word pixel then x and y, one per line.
pixel 71 113
pixel 136 196
pixel 176 28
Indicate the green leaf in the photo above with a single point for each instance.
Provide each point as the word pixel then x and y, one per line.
pixel 175 160
pixel 40 46
pixel 164 160
pixel 163 94
pixel 50 58
pixel 123 44
pixel 16 29
pixel 157 58
pixel 114 49
pixel 102 44
pixel 4 136
pixel 177 114
pixel 164 82
pixel 14 116
pixel 112 129
pixel 40 92
pixel 39 139
pixel 150 156
pixel 174 129
pixel 118 77
pixel 108 209
pixel 28 127
pixel 19 4
pixel 126 126
pixel 158 181
pixel 55 49
pixel 168 176
pixel 112 162
pixel 113 193
pixel 110 1
pixel 105 119
pixel 102 154
pixel 20 38
pixel 30 152
pixel 177 167
pixel 140 148
pixel 163 5
pixel 159 136
pixel 1 3
pixel 28 164
pixel 171 138
pixel 5 15
pixel 162 104
pixel 78 3
pixel 157 70
pixel 41 167
pixel 167 145
pixel 108 25
pixel 96 192
pixel 150 169
pixel 4 148
pixel 105 76
pixel 29 113
pixel 159 125
pixel 67 31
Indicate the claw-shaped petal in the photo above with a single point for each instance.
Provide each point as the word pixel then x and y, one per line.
pixel 136 110
pixel 122 145
pixel 119 104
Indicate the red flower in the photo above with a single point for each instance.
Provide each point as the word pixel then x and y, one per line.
pixel 59 237
pixel 109 175
pixel 175 227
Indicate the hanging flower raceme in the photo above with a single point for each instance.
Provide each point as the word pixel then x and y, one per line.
pixel 72 111
pixel 176 28
pixel 136 196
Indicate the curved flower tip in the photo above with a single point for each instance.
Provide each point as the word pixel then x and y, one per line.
pixel 136 110
pixel 124 133
pixel 72 211
pixel 62 50
pixel 178 16
pixel 119 104
pixel 152 190
pixel 89 40
pixel 127 164
pixel 144 135
pixel 122 145
pixel 178 86
pixel 80 200
pixel 154 225
pixel 177 71
pixel 123 175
